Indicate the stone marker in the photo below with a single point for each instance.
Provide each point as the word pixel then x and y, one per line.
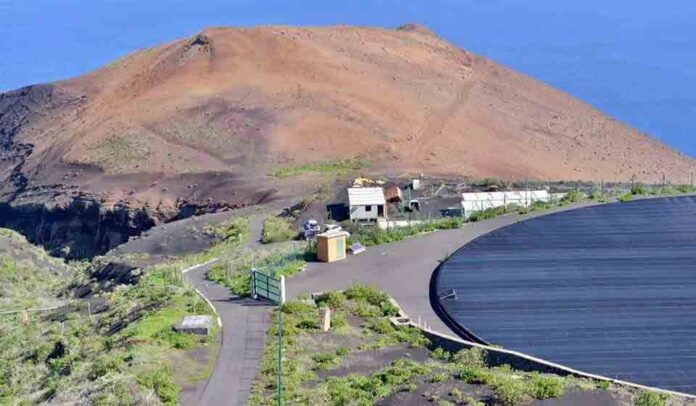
pixel 325 313
pixel 195 325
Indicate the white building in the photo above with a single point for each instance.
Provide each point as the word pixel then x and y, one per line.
pixel 366 203
pixel 478 201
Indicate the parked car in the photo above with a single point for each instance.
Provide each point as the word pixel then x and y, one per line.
pixel 332 227
pixel 310 228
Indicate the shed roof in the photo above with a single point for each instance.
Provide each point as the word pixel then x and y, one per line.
pixel 361 196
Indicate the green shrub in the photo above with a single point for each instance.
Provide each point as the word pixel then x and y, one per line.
pixel 366 310
pixel 441 354
pixel 546 387
pixel 487 214
pixel 573 196
pixel 103 365
pixel 639 190
pixel 334 300
pixel 382 326
pixel 626 198
pixel 298 308
pixel 475 375
pixel 652 399
pixel 604 385
pixel 278 229
pixel 685 189
pixel 162 383
pixel 439 377
pixel 235 230
pixel 474 356
pixel 510 392
pixel 339 321
pixel 366 294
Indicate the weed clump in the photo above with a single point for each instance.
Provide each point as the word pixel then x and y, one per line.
pixel 278 229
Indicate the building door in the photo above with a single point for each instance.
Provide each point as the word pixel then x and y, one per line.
pixel 340 248
pixel 380 211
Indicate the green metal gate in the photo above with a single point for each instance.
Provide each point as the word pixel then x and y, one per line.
pixel 266 287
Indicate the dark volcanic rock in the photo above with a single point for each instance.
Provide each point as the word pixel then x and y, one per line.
pixel 82 229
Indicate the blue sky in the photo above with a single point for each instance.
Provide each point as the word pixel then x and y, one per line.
pixel 635 60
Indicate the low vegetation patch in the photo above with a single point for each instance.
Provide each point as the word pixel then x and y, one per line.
pixel 371 236
pixel 334 167
pixel 234 271
pixel 123 351
pixel 346 365
pixel 278 229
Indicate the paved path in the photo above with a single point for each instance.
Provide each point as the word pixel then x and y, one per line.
pixel 245 323
pixel 403 269
pixel 244 326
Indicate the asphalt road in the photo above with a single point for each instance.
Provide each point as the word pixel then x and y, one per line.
pixel 245 323
pixel 403 269
pixel 244 326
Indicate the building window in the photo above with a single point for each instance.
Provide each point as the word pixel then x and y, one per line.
pixel 368 208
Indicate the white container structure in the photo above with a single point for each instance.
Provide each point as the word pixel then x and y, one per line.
pixel 477 201
pixel 367 203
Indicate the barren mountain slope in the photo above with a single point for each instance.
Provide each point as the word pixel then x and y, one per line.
pixel 200 121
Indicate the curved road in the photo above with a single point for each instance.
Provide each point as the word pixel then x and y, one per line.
pixel 403 269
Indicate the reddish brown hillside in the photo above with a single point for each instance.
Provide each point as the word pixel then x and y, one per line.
pixel 204 118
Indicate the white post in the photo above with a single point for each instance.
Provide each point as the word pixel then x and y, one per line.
pixel 282 289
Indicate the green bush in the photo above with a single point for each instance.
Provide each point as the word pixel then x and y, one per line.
pixel 546 387
pixel 371 236
pixel 510 392
pixel 382 326
pixel 487 214
pixel 652 399
pixel 474 356
pixel 475 375
pixel 162 383
pixel 441 354
pixel 573 196
pixel 604 385
pixel 439 377
pixel 278 229
pixel 366 294
pixel 639 190
pixel 234 230
pixel 334 300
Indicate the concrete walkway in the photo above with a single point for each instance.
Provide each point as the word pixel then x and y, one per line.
pixel 244 323
pixel 244 326
pixel 403 269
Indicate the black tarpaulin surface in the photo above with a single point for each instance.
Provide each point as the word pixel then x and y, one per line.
pixel 609 290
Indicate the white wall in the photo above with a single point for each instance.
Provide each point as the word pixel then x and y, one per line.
pixel 359 213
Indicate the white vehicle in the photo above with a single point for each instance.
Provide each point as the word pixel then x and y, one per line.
pixel 332 227
pixel 310 228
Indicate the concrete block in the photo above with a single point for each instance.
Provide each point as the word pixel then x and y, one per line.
pixel 195 325
pixel 325 314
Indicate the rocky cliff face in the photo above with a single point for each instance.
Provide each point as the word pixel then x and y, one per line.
pixel 82 229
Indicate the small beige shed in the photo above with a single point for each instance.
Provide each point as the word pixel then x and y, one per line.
pixel 331 246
